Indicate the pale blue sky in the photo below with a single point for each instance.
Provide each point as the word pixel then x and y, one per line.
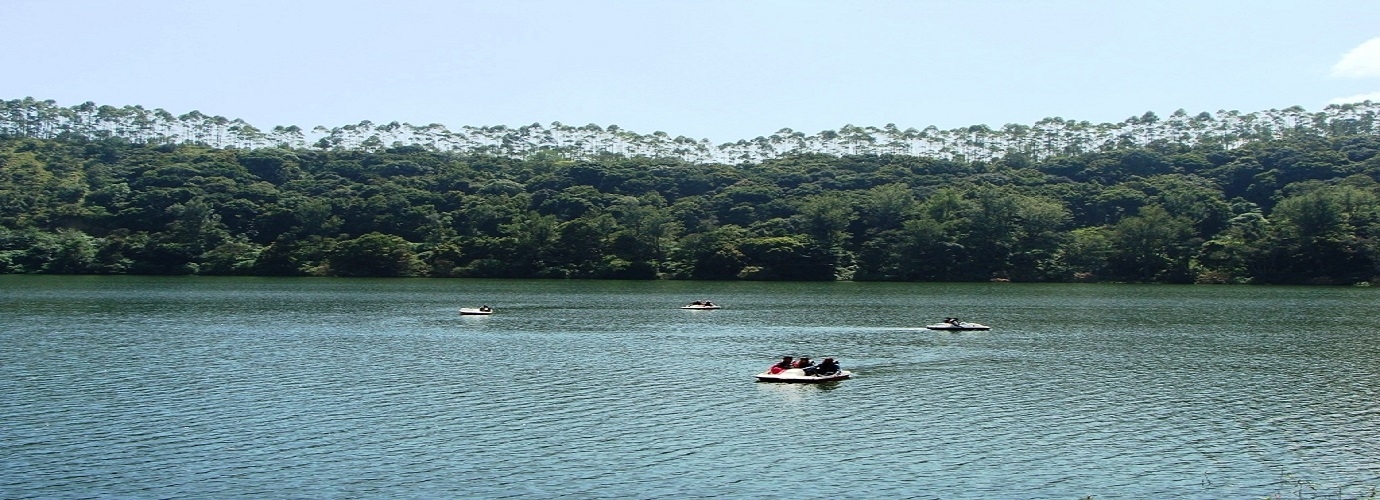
pixel 717 69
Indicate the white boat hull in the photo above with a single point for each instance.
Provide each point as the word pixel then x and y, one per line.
pixel 798 376
pixel 701 307
pixel 958 327
pixel 467 311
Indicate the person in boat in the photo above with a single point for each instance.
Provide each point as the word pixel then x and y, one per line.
pixel 952 321
pixel 485 308
pixel 805 365
pixel 708 304
pixel 784 365
pixel 697 303
pixel 827 367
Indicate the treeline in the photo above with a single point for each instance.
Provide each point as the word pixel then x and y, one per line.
pixel 45 119
pixel 1304 208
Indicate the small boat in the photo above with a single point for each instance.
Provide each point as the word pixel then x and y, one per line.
pixel 953 324
pixel 476 311
pixel 798 376
pixel 701 304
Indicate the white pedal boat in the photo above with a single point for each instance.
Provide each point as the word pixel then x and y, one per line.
pixel 798 376
pixel 476 311
pixel 701 306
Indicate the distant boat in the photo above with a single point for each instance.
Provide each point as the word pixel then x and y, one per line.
pixel 476 311
pixel 701 304
pixel 953 324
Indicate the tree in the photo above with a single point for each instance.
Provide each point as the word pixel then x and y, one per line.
pixel 581 246
pixel 711 255
pixel 886 207
pixel 374 254
pixel 1192 198
pixel 1086 255
pixel 785 258
pixel 825 220
pixel 1236 254
pixel 529 245
pixel 1320 235
pixel 645 228
pixel 236 257
pixel 1151 246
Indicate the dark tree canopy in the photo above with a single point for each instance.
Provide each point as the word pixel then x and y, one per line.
pixel 1296 207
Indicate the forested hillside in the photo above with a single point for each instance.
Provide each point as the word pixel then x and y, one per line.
pixel 1299 204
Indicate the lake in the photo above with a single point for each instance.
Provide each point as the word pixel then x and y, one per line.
pixel 175 387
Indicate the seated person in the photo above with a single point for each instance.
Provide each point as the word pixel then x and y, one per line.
pixel 827 367
pixel 784 365
pixel 805 364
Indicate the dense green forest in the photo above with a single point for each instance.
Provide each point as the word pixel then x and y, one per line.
pixel 1300 205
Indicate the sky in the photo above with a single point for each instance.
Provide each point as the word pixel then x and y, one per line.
pixel 722 70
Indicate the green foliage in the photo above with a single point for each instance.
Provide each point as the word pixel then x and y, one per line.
pixel 373 254
pixel 1151 246
pixel 1301 209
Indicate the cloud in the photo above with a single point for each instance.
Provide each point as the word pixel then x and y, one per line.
pixel 1362 62
pixel 1373 97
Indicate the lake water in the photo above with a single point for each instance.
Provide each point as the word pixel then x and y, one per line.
pixel 178 387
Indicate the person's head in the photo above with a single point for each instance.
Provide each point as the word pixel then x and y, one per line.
pixel 785 358
pixel 828 360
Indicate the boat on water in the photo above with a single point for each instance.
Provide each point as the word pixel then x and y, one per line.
pixel 798 376
pixel 953 324
pixel 701 304
pixel 476 311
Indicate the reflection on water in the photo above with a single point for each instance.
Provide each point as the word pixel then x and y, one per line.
pixel 239 387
